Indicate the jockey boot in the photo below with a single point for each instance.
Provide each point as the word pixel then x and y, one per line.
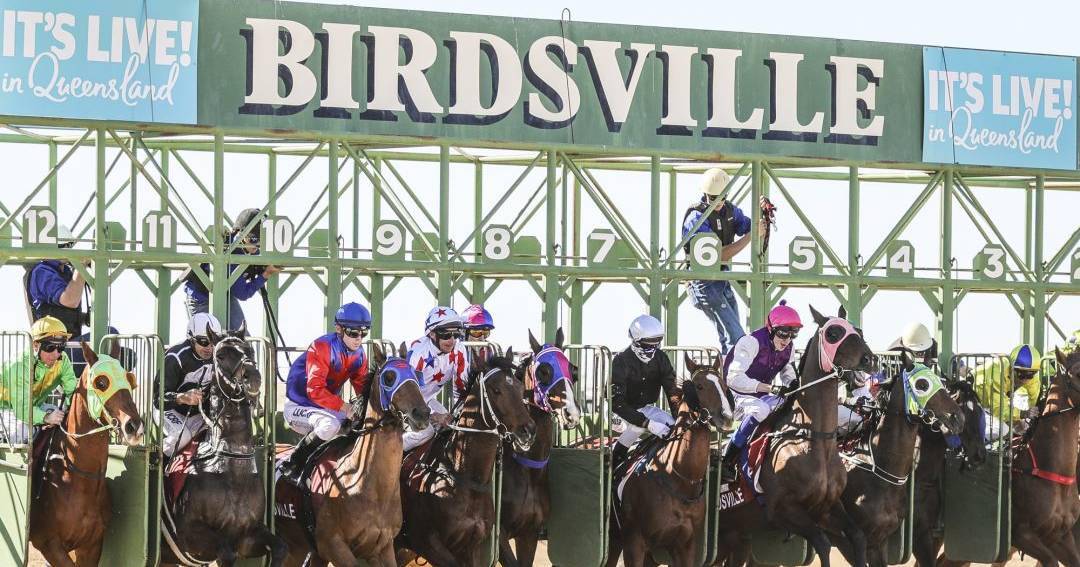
pixel 618 455
pixel 728 469
pixel 293 467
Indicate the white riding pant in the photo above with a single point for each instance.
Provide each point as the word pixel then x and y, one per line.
pixel 631 433
pixel 847 418
pixel 305 419
pixel 995 429
pixel 757 408
pixel 16 431
pixel 413 439
pixel 179 431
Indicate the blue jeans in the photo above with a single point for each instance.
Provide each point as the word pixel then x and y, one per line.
pixel 198 305
pixel 717 301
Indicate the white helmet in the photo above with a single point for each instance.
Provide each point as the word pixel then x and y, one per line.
pixel 646 327
pixel 196 326
pixel 917 337
pixel 714 181
pixel 440 318
pixel 64 236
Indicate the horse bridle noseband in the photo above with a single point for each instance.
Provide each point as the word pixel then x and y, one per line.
pixel 238 344
pixel 487 414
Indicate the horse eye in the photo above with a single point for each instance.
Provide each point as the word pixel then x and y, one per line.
pixel 922 385
pixel 700 387
pixel 388 378
pixel 101 383
pixel 834 333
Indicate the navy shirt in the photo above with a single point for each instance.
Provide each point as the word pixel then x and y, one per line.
pixel 48 280
pixel 742 222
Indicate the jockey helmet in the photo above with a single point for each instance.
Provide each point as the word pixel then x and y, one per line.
pixel 244 218
pixel 64 237
pixel 916 338
pixel 442 318
pixel 354 316
pixel 1025 357
pixel 476 317
pixel 783 316
pixel 48 327
pixel 714 181
pixel 196 327
pixel 646 328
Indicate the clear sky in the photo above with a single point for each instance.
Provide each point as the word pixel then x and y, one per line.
pixel 985 323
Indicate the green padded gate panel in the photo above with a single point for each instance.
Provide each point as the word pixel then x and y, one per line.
pixel 977 512
pixel 774 547
pixel 130 483
pixel 577 527
pixel 14 506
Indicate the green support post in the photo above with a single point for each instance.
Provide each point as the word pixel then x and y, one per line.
pixel 656 284
pixel 99 315
pixel 946 339
pixel 273 285
pixel 1039 312
pixel 163 296
pixel 333 269
pixel 854 286
pixel 478 293
pixel 671 300
pixel 445 294
pixel 551 280
pixel 577 289
pixel 758 301
pixel 54 182
pixel 378 285
pixel 219 283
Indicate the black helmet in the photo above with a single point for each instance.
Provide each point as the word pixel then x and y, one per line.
pixel 244 218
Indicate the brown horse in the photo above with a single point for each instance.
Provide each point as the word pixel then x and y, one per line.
pixel 663 507
pixel 72 508
pixel 802 475
pixel 449 512
pixel 549 377
pixel 930 472
pixel 361 513
pixel 1044 502
pixel 876 495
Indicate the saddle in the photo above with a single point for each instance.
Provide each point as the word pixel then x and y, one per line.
pixel 637 460
pixel 751 459
pixel 178 469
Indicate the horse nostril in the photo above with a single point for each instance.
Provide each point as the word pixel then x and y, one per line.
pixel 131 428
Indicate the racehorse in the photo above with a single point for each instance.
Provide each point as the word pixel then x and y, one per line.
pixel 200 527
pixel 549 391
pixel 71 509
pixel 930 472
pixel 360 513
pixel 802 476
pixel 449 511
pixel 876 494
pixel 663 506
pixel 1044 501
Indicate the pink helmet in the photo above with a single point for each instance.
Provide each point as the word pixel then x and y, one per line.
pixel 783 316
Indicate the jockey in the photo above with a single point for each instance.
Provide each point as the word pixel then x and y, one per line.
pixel 916 340
pixel 439 358
pixel 752 369
pixel 314 407
pixel 478 323
pixel 1009 394
pixel 50 366
pixel 637 374
pixel 188 367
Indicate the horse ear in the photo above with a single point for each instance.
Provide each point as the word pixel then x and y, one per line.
pixel 242 331
pixel 1060 356
pixel 377 355
pixel 509 354
pixel 403 351
pixel 114 351
pixel 210 334
pixel 533 344
pixel 718 362
pixel 559 338
pixel 842 312
pixel 89 355
pixel 907 360
pixel 818 317
pixel 689 362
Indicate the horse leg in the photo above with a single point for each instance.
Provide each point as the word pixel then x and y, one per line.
pixel 615 548
pixel 55 554
pixel 634 549
pixel 262 541
pixel 90 555
pixel 1029 543
pixel 526 548
pixel 1065 549
pixel 506 554
pixel 384 557
pixel 852 532
pixel 796 520
pixel 338 552
pixel 433 549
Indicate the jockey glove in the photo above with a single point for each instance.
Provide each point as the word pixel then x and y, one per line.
pixel 658 429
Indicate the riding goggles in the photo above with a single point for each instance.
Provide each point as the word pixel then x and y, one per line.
pixel 51 346
pixel 202 341
pixel 786 334
pixel 479 334
pixel 355 333
pixel 447 334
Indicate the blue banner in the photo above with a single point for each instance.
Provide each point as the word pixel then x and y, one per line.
pixel 132 60
pixel 1000 109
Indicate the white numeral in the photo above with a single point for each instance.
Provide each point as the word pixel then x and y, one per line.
pixel 40 226
pixel 607 242
pixel 705 250
pixel 901 260
pixel 497 243
pixel 158 224
pixel 995 262
pixel 389 239
pixel 805 252
pixel 279 235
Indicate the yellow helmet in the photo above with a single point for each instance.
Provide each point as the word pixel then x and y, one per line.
pixel 1026 357
pixel 48 326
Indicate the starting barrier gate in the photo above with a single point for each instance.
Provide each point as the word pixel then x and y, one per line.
pixel 14 450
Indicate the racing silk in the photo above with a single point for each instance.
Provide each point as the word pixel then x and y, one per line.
pixel 754 361
pixel 44 286
pixel 994 388
pixel 316 378
pixel 437 368
pixel 46 378
pixel 184 371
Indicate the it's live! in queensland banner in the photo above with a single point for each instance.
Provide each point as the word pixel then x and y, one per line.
pixel 1000 109
pixel 131 60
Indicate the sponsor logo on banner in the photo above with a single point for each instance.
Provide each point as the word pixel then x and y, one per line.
pixel 131 60
pixel 1000 109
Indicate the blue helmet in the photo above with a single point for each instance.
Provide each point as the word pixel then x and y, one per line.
pixel 354 316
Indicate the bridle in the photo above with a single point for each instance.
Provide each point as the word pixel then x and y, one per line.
pixel 561 373
pixel 236 383
pixel 488 416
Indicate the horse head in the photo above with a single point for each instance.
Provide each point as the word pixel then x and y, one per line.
pixel 970 439
pixel 707 390
pixel 108 389
pixel 500 394
pixel 233 393
pixel 841 345
pixel 1068 374
pixel 925 397
pixel 553 377
pixel 398 389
